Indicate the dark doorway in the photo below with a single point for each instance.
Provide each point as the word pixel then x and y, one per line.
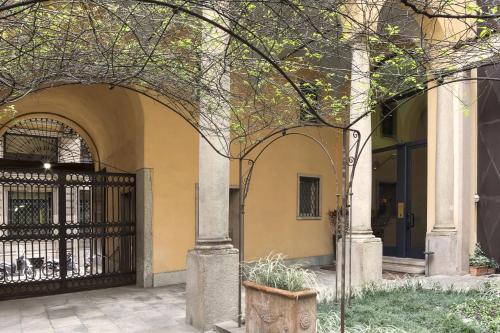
pixel 399 215
pixel 488 155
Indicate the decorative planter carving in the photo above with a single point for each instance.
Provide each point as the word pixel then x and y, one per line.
pixel 481 270
pixel 271 310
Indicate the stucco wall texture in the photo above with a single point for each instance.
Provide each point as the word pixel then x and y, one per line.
pixel 130 131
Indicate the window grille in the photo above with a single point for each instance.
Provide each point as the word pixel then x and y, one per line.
pixel 30 208
pixel 309 197
pixel 43 139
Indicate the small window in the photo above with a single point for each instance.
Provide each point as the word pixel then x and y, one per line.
pixel 29 209
pixel 310 91
pixel 84 207
pixel 388 117
pixel 309 197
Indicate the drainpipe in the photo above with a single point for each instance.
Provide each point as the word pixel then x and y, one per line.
pixel 427 258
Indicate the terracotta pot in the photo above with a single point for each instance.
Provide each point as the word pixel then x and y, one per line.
pixel 481 270
pixel 271 310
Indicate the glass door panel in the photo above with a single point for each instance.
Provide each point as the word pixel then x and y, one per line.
pixel 384 196
pixel 417 201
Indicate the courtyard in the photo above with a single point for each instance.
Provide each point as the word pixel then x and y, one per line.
pixel 150 149
pixel 163 309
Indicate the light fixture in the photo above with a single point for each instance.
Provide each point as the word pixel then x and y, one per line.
pixel 47 165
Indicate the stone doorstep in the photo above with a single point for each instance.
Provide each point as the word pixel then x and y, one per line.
pixel 403 265
pixel 229 327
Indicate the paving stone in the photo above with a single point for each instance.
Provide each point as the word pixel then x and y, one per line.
pixel 38 330
pixel 113 310
pixel 88 313
pixel 35 322
pixel 72 329
pixel 60 313
pixel 105 329
pixel 65 321
pixel 98 322
pixel 11 328
pixel 32 310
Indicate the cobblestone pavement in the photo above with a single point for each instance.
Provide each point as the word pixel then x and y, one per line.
pixel 123 309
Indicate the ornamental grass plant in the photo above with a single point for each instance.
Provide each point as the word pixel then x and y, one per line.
pixel 272 271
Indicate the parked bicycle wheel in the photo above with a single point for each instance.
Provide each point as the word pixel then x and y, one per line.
pixel 28 271
pixel 50 269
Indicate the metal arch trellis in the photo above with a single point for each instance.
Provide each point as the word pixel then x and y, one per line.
pixel 350 156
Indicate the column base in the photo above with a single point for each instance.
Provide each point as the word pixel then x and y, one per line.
pixel 366 265
pixel 212 280
pixel 444 245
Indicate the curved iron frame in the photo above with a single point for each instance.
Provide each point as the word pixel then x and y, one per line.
pixel 343 204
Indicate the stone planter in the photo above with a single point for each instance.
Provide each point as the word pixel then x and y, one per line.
pixel 271 310
pixel 481 270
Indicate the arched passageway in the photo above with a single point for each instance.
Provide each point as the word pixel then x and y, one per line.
pixel 63 226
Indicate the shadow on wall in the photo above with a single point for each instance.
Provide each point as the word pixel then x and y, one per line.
pixel 113 118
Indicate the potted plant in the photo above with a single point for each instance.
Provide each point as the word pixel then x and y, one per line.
pixel 480 264
pixel 279 297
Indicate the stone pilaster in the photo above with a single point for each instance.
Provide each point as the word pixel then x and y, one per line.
pixel 213 265
pixel 144 208
pixel 366 249
pixel 442 241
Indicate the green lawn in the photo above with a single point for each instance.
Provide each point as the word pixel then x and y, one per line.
pixel 411 308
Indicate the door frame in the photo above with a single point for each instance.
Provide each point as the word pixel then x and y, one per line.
pixel 403 230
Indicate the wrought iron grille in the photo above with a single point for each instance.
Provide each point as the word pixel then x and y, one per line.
pixel 309 197
pixel 44 139
pixel 64 231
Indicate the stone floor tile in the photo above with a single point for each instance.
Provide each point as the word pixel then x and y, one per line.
pixel 14 328
pixel 40 321
pixel 60 313
pixel 65 321
pixel 32 310
pixel 38 330
pixel 105 329
pixel 89 313
pixel 72 329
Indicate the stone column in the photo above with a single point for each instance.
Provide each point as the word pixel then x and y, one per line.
pixel 212 266
pixel 366 250
pixel 464 174
pixel 442 240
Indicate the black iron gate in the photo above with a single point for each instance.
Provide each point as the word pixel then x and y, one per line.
pixel 65 231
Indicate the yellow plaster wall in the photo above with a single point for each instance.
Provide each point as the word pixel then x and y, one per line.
pixel 271 222
pixel 171 150
pixel 131 131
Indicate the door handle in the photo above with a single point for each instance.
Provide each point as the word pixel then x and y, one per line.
pixel 411 220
